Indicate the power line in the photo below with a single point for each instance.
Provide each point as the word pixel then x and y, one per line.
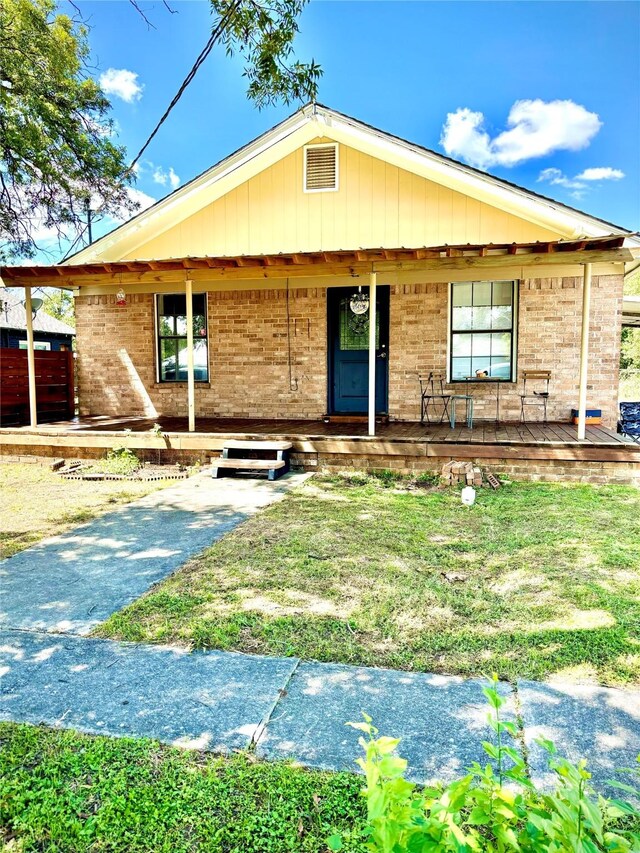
pixel 204 53
pixel 216 33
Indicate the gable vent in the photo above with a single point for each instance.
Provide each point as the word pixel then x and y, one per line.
pixel 321 168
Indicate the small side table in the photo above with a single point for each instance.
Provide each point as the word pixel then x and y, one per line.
pixel 468 398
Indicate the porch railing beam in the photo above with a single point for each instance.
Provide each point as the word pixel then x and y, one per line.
pixel 584 352
pixel 191 385
pixel 31 360
pixel 373 280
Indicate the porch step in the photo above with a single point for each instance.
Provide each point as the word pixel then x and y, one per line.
pixel 257 445
pixel 249 464
pixel 269 456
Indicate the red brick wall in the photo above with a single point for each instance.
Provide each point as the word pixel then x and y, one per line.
pixel 249 351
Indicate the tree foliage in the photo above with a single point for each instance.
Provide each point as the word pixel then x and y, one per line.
pixel 56 138
pixel 59 303
pixel 630 351
pixel 263 34
pixel 56 148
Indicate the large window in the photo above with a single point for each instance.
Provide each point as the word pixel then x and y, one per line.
pixel 482 329
pixel 172 337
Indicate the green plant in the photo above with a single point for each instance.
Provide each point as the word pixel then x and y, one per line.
pixel 427 478
pixel 387 477
pixel 65 792
pixel 119 460
pixel 491 808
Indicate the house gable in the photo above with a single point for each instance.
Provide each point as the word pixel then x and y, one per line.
pixel 377 204
pixel 391 193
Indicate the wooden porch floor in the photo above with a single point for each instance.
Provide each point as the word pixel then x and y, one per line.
pixel 483 432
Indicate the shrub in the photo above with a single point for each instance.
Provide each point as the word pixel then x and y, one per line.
pixel 119 460
pixel 492 808
pixel 386 477
pixel 428 478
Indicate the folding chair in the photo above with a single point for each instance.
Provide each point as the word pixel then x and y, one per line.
pixel 536 396
pixel 629 423
pixel 431 393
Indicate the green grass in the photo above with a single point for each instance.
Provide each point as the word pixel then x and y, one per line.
pixel 535 580
pixel 36 502
pixel 64 792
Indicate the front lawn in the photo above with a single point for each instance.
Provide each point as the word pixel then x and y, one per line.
pixel 36 502
pixel 535 580
pixel 67 792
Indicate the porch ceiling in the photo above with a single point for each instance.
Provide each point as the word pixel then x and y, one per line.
pixel 600 249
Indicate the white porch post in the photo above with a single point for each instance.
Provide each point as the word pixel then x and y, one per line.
pixel 584 352
pixel 31 360
pixel 373 280
pixel 191 385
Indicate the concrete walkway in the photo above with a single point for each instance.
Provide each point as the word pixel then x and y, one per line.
pixel 71 583
pixel 286 708
pixel 220 701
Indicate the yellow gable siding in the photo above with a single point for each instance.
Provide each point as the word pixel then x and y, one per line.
pixel 377 204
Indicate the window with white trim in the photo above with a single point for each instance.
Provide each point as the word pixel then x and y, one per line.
pixel 172 337
pixel 37 345
pixel 321 167
pixel 482 333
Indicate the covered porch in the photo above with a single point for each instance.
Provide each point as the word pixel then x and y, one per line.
pixel 268 324
pixel 269 333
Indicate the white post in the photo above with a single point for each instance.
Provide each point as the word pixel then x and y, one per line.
pixel 372 353
pixel 584 353
pixel 191 385
pixel 31 360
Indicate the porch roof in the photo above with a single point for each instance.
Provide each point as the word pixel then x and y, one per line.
pixel 612 248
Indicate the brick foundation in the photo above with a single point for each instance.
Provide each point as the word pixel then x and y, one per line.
pixel 544 470
pixel 624 472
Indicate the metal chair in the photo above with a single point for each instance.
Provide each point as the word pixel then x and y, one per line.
pixel 629 423
pixel 535 397
pixel 432 391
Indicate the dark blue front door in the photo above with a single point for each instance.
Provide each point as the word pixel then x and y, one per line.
pixel 349 352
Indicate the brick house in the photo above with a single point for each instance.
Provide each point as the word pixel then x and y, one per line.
pixel 284 251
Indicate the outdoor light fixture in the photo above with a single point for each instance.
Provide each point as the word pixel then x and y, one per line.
pixel 359 302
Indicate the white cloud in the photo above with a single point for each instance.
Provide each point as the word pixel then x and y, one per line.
pixel 139 198
pixel 463 136
pixel 121 83
pixel 535 128
pixel 600 173
pixel 556 177
pixel 160 176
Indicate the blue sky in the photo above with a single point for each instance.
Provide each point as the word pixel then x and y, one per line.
pixel 411 68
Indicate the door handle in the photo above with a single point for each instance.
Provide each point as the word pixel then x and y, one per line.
pixel 382 355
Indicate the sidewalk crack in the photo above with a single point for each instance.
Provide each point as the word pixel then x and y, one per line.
pixel 268 717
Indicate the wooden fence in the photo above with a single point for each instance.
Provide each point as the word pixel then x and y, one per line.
pixel 54 386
